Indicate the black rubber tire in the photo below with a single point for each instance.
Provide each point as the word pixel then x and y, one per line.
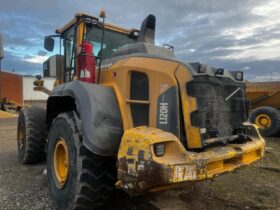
pixel 274 115
pixel 33 122
pixel 91 177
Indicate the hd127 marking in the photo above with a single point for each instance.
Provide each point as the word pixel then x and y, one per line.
pixel 163 113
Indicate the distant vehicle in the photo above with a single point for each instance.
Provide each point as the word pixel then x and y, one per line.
pixel 16 91
pixel 11 93
pixel 265 106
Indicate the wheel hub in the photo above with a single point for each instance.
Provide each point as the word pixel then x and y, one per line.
pixel 61 162
pixel 263 121
pixel 21 136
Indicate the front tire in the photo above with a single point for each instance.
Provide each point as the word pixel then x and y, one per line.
pixel 31 135
pixel 89 179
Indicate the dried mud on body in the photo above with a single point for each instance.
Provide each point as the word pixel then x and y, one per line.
pixel 254 187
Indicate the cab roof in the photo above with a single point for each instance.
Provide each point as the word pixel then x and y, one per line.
pixel 80 15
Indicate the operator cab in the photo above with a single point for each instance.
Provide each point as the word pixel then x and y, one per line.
pixel 114 41
pixel 86 28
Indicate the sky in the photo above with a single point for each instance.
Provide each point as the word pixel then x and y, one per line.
pixel 236 35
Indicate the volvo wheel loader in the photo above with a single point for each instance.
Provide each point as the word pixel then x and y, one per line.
pixel 125 113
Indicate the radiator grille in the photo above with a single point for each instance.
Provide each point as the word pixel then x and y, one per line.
pixel 220 117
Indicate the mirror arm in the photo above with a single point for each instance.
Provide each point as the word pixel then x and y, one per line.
pixel 54 35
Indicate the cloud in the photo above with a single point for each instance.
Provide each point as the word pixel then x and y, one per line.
pixel 246 68
pixel 232 34
pixel 271 76
pixel 21 66
pixel 42 53
pixel 37 59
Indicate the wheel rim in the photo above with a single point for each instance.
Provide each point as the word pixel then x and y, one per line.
pixel 61 162
pixel 21 136
pixel 263 121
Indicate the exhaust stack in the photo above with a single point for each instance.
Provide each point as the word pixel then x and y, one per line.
pixel 147 31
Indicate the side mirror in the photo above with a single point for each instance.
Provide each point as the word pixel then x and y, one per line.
pixel 49 43
pixel 1 47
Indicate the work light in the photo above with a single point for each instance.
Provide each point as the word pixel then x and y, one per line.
pixel 135 33
pixel 202 68
pixel 239 75
pixel 219 71
pixel 203 130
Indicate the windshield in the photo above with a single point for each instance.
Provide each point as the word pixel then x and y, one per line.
pixel 112 40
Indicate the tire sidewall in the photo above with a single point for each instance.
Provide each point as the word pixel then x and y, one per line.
pixel 63 197
pixel 273 117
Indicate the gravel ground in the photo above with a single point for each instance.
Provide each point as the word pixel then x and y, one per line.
pixel 254 187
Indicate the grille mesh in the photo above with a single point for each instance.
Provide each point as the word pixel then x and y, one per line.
pixel 221 118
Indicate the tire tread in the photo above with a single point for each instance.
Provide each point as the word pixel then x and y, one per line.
pixel 96 176
pixel 274 114
pixel 35 135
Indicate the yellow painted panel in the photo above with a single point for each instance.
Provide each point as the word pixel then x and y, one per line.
pixel 189 105
pixel 161 77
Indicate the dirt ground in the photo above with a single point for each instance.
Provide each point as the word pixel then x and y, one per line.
pixel 254 187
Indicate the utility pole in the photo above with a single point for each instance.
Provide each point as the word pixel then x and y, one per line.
pixel 1 57
pixel 1 50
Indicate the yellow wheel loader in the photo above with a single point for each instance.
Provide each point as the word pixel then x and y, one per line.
pixel 127 114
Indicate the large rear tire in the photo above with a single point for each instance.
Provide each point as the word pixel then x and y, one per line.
pixel 78 179
pixel 31 135
pixel 267 119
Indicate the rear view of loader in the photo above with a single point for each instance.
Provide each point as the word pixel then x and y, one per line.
pixel 126 113
pixel 265 106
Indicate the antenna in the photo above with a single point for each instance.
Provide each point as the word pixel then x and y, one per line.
pixel 103 16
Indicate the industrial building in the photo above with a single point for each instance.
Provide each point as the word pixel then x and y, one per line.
pixel 19 88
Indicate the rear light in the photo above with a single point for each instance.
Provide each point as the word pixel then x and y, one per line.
pixel 159 149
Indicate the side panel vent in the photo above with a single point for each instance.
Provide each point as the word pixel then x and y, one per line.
pixel 139 98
